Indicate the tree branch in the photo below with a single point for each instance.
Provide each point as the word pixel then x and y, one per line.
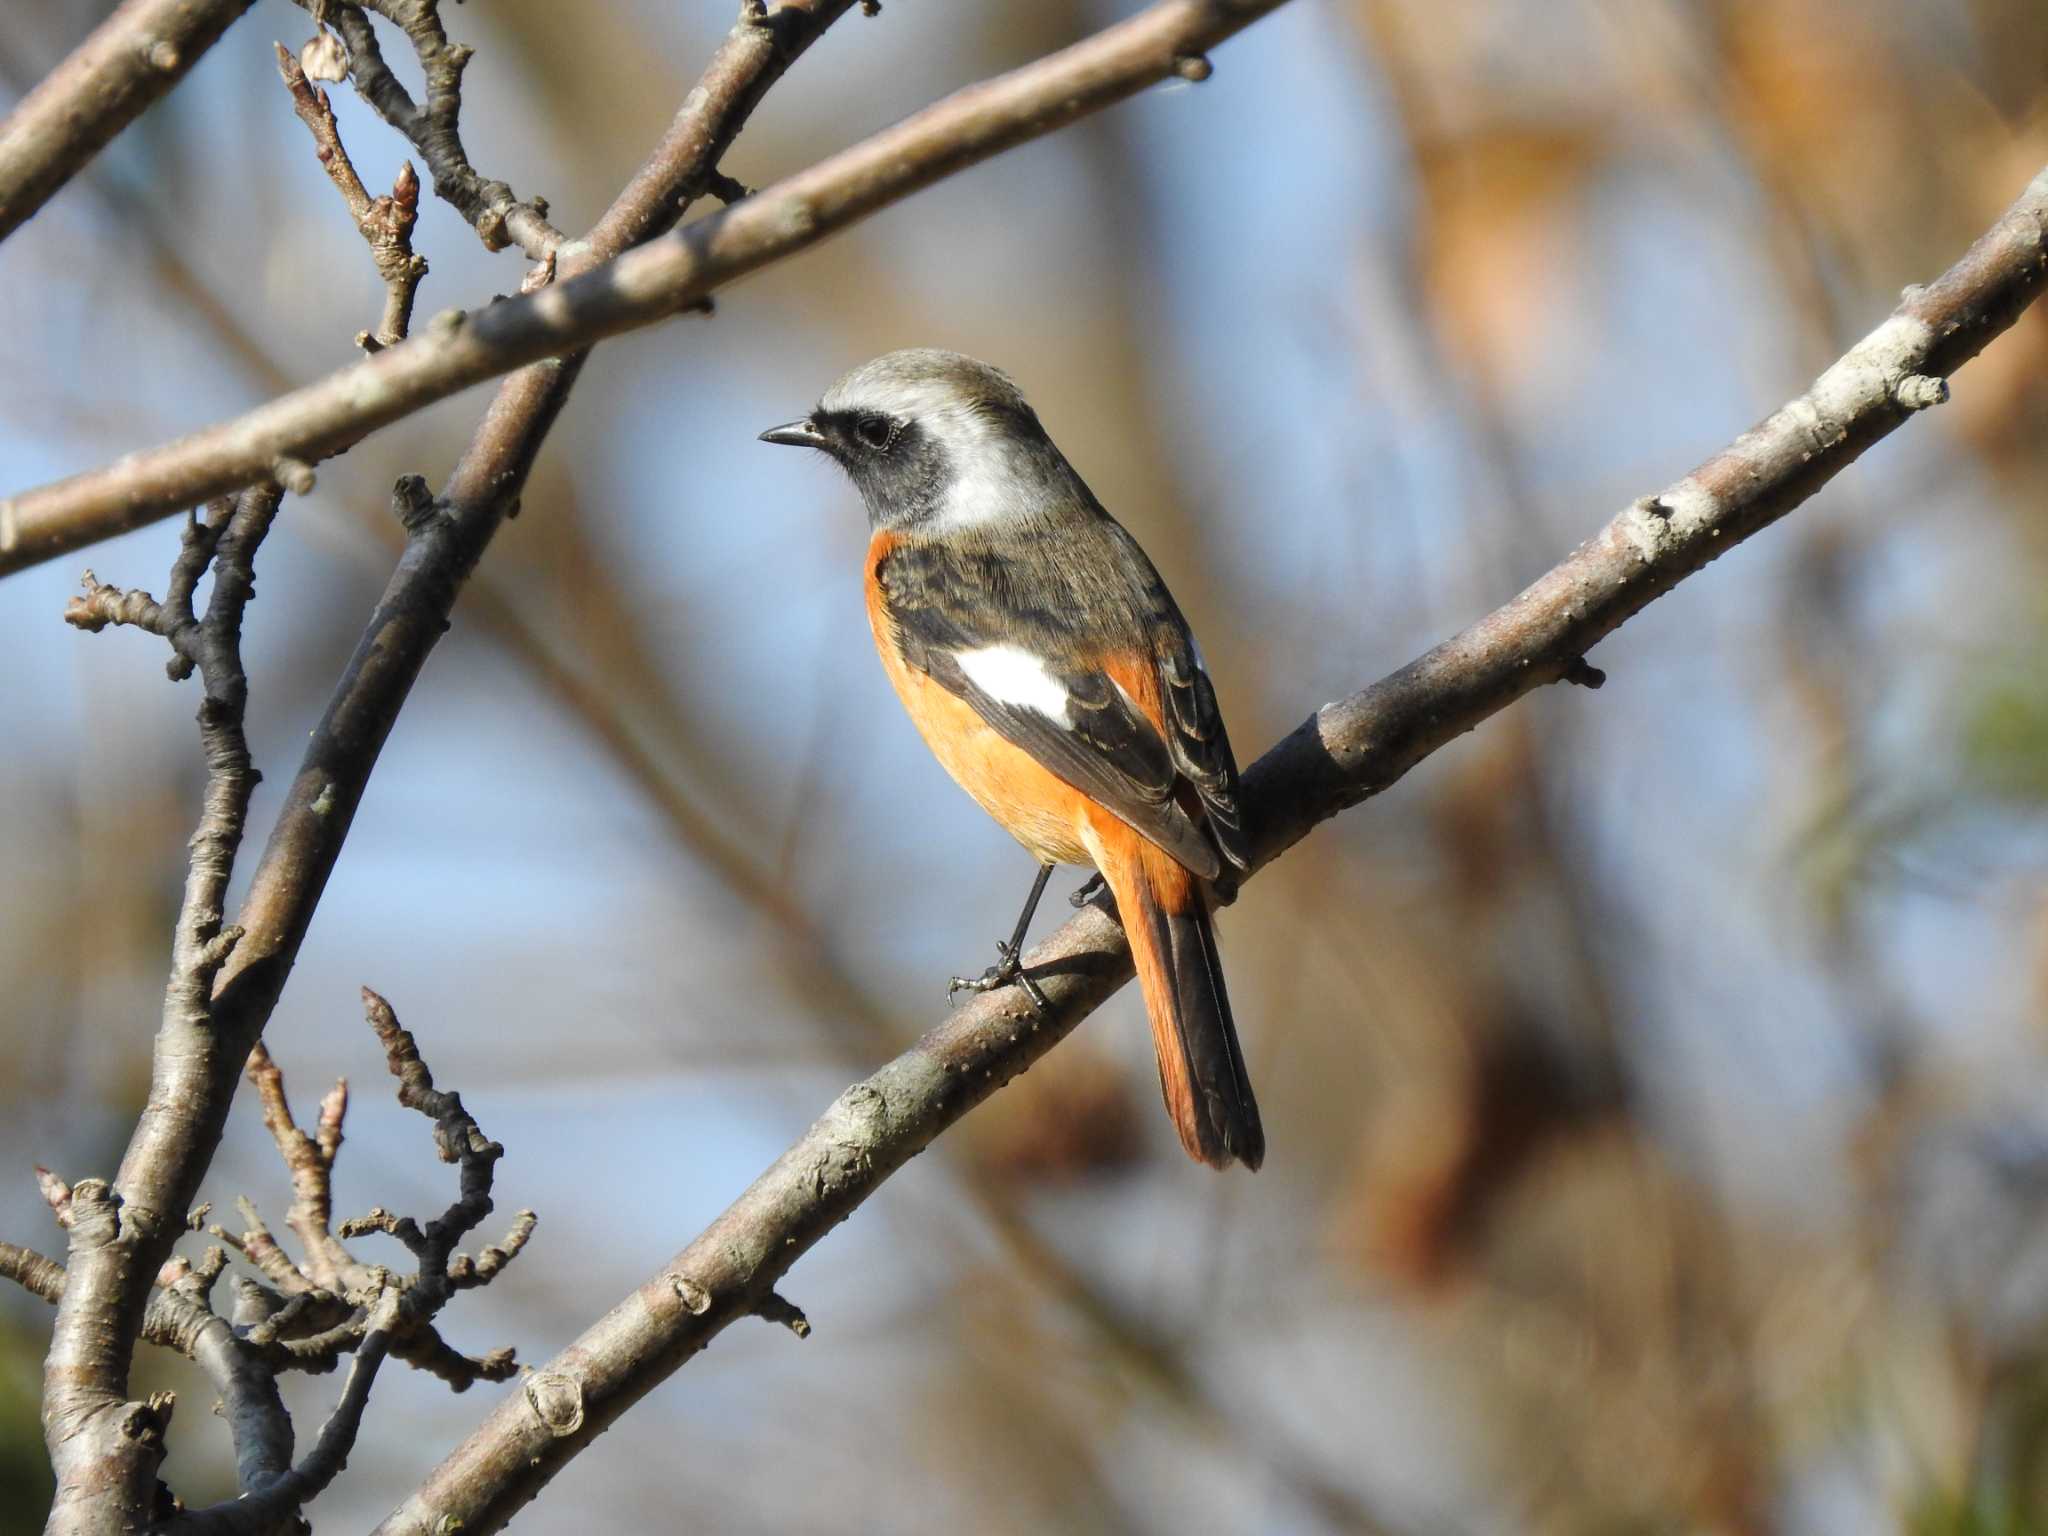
pixel 135 56
pixel 636 290
pixel 385 1314
pixel 327 1304
pixel 498 215
pixel 384 222
pixel 104 1448
pixel 1339 756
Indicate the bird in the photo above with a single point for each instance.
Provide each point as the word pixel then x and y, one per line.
pixel 1045 664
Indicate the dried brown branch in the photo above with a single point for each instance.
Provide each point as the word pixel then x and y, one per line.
pixel 136 55
pixel 636 289
pixel 384 222
pixel 499 216
pixel 1342 754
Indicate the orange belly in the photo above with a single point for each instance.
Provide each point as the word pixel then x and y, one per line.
pixel 1035 806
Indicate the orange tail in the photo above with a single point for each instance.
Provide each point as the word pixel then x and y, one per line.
pixel 1165 913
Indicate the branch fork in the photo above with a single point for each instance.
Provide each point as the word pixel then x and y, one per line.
pixel 304 1314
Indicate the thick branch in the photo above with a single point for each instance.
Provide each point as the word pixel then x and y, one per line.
pixel 638 289
pixel 137 55
pixel 103 1448
pixel 1342 754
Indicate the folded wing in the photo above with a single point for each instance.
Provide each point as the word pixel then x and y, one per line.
pixel 1049 685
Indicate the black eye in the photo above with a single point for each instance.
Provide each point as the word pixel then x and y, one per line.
pixel 877 432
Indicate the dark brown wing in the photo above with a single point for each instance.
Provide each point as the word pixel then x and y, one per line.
pixel 1026 665
pixel 1197 742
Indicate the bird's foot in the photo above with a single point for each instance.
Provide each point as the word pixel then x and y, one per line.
pixel 1090 889
pixel 1006 970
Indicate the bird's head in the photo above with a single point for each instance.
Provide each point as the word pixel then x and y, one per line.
pixel 932 439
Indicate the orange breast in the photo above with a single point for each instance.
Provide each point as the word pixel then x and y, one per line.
pixel 1038 808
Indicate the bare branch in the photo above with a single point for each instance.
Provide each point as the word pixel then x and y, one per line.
pixel 638 289
pixel 178 1319
pixel 311 1318
pixel 104 1448
pixel 195 1068
pixel 1342 754
pixel 135 56
pixel 458 1139
pixel 265 1505
pixel 34 1273
pixel 384 222
pixel 499 216
pixel 311 1164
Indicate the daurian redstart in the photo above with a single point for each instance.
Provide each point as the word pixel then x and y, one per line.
pixel 1048 668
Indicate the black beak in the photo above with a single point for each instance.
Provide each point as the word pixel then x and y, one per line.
pixel 796 434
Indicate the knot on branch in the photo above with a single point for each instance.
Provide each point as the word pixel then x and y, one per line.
pixel 557 1401
pixel 696 1299
pixel 413 504
pixel 1918 391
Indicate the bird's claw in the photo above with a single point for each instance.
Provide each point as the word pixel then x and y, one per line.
pixel 1006 970
pixel 1090 889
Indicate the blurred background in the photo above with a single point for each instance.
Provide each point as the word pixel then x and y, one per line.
pixel 1657 1080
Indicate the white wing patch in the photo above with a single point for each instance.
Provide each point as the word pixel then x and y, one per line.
pixel 1011 675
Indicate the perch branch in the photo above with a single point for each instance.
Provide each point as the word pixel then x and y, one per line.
pixel 1339 756
pixel 634 290
pixel 135 56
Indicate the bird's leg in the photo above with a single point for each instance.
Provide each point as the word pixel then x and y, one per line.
pixel 1011 966
pixel 1090 889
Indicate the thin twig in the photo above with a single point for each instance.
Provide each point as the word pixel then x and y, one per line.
pixel 637 289
pixel 133 58
pixel 434 128
pixel 384 222
pixel 311 1165
pixel 1342 754
pixel 266 1507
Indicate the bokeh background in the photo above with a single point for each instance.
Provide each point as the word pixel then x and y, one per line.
pixel 1655 1079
